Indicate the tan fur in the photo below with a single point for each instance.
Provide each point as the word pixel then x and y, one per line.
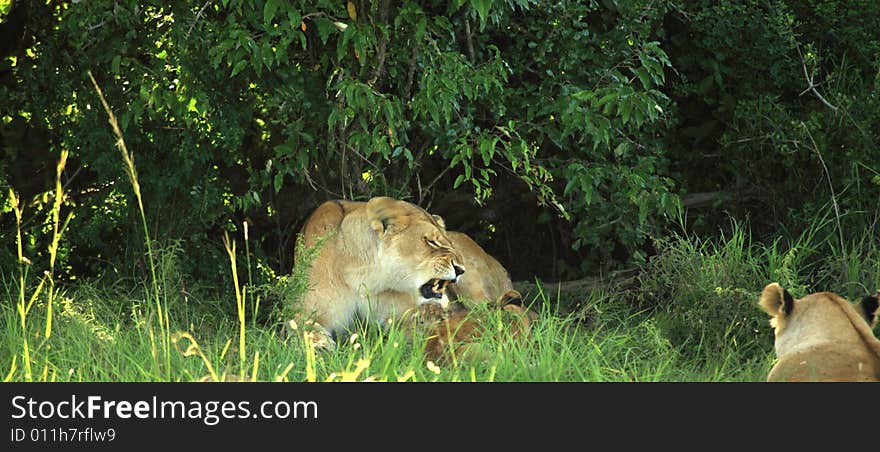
pixel 486 280
pixel 822 338
pixel 457 331
pixel 375 258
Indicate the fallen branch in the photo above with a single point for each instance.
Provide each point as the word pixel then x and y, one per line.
pixel 618 279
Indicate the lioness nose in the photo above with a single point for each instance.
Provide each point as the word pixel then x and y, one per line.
pixel 458 270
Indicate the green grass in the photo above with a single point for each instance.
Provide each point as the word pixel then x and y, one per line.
pixel 94 343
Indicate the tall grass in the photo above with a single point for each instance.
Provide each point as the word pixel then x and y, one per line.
pixel 56 237
pixel 128 158
pixel 24 308
pixel 240 295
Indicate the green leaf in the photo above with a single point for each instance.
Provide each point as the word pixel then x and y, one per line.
pixel 458 181
pixel 621 149
pixel 269 10
pixel 605 99
pixel 485 146
pixel 482 7
pixel 626 110
pixel 583 95
pixel 238 67
pixel 267 55
pixel 454 6
pixel 325 27
pixel 114 65
pixel 278 182
pixel 342 44
pixel 644 77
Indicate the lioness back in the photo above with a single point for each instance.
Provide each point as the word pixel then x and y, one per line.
pixel 326 220
pixel 822 337
pixel 486 280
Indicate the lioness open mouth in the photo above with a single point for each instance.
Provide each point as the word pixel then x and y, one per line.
pixel 434 288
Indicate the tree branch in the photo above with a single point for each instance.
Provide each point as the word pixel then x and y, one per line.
pixel 833 199
pixel 198 16
pixel 407 91
pixel 383 44
pixel 469 40
pixel 812 86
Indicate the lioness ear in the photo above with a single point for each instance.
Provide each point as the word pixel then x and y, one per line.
pixel 383 216
pixel 439 221
pixel 869 308
pixel 776 301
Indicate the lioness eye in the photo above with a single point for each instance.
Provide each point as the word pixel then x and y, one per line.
pixel 432 243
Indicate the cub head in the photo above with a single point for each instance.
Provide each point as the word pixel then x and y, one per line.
pixel 783 308
pixel 413 249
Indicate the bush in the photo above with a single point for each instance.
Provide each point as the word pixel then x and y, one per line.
pixel 704 294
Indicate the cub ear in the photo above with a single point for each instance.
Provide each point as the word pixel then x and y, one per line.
pixel 384 215
pixel 510 298
pixel 439 221
pixel 776 301
pixel 868 308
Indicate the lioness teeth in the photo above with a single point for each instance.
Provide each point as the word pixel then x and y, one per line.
pixel 434 288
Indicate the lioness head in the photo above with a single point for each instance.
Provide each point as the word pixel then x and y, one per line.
pixel 822 336
pixel 414 248
pixel 785 309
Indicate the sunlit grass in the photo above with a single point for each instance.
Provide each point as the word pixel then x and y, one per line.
pixel 102 345
pixel 131 170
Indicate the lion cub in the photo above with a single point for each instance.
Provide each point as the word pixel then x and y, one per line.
pixel 822 336
pixel 455 331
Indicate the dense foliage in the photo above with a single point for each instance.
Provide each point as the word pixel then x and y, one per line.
pixel 563 135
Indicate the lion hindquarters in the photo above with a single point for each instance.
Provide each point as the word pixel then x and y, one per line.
pixel 486 280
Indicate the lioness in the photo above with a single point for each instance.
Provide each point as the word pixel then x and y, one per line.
pixel 486 281
pixel 379 260
pixel 822 337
